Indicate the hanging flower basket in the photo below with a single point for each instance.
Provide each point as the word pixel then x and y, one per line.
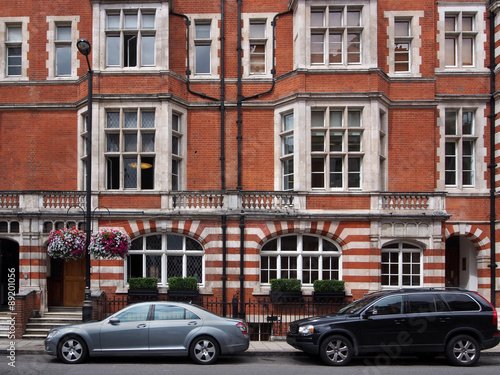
pixel 109 243
pixel 66 244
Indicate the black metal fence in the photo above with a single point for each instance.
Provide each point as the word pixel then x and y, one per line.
pixel 264 317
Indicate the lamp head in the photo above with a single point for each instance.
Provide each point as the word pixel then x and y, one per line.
pixel 83 46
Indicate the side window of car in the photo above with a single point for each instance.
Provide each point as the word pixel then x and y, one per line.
pixel 134 314
pixel 387 306
pixel 460 302
pixel 169 312
pixel 421 303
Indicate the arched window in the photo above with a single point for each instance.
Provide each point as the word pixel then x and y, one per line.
pixel 300 256
pixel 402 265
pixel 165 255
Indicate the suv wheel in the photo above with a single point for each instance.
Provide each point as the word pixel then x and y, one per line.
pixel 463 350
pixel 336 351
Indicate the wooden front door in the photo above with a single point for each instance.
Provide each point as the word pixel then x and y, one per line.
pixel 74 282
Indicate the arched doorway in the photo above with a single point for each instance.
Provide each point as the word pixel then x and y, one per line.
pixel 9 260
pixel 461 263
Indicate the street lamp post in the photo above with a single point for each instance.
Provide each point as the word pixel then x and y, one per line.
pixel 84 47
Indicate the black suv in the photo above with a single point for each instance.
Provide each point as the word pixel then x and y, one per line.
pixel 456 322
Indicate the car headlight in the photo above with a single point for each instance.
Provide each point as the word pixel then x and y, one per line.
pixel 52 333
pixel 306 330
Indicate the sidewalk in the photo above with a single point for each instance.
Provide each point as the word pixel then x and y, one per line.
pixel 257 348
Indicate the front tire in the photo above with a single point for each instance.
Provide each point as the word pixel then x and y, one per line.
pixel 463 350
pixel 204 350
pixel 336 351
pixel 72 350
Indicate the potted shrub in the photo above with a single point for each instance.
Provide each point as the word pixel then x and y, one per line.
pixel 286 290
pixel 143 288
pixel 183 288
pixel 328 289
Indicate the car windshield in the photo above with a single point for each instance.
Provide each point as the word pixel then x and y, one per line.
pixel 357 306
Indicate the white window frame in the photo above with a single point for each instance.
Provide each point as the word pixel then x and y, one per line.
pixel 327 154
pixel 479 35
pixel 402 249
pixel 285 135
pixel 213 42
pixel 5 23
pixel 266 20
pixel 52 43
pixel 413 39
pixel 479 165
pixel 300 254
pixel 164 253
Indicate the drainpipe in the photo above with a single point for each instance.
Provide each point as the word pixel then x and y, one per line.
pixel 492 165
pixel 239 121
pixel 222 134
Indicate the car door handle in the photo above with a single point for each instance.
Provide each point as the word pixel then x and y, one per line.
pixel 444 320
pixel 399 321
pixel 192 323
pixel 141 326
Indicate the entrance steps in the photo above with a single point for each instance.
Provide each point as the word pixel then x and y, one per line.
pixel 5 321
pixel 38 328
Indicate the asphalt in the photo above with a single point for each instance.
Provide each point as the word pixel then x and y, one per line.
pixel 257 348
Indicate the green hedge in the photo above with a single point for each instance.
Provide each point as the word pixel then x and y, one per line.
pixel 143 283
pixel 329 286
pixel 183 283
pixel 286 285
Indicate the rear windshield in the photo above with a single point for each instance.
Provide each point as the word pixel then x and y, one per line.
pixel 460 302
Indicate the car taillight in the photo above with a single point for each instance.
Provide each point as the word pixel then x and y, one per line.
pixel 495 314
pixel 242 327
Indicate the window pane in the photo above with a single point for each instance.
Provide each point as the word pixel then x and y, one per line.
pixel 353 48
pixel 148 21
pixel 63 60
pixel 174 242
pixel 468 23
pixel 310 243
pixel 467 123
pixel 112 142
pixel 202 31
pixel 153 266
pixel 130 120
pixel 354 141
pixel 112 119
pixel 130 142
pixel 450 52
pixel 335 56
pixel 195 267
pixel 63 33
pixel 174 266
pixel 467 52
pixel 318 119
pixel 258 58
pixel 354 178
pixel 175 145
pixel 147 172
pixel 202 59
pixel 14 34
pixel 318 172
pixel 336 141
pixel 14 61
pixel 450 23
pixel 175 122
pixel 257 30
pixel 317 18
pixel 148 119
pixel 402 28
pixel 335 18
pixel 288 145
pixel 113 21
pixel 148 51
pixel 354 18
pixel 113 172
pixel 317 48
pixel 148 142
pixel 354 119
pixel 336 119
pixel 288 122
pixel 130 50
pixel 175 175
pixel 131 21
pixel 130 173
pixel 153 242
pixel 289 243
pixel 113 51
pixel 317 141
pixel 336 168
pixel 451 123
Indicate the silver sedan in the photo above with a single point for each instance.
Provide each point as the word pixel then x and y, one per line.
pixel 151 328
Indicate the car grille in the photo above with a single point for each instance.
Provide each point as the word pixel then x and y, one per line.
pixel 294 328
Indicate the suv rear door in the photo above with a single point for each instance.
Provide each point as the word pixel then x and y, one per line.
pixel 428 321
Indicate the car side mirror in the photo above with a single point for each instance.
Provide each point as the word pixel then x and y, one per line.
pixel 114 321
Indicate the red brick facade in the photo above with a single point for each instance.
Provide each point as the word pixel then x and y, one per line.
pixel 398 191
